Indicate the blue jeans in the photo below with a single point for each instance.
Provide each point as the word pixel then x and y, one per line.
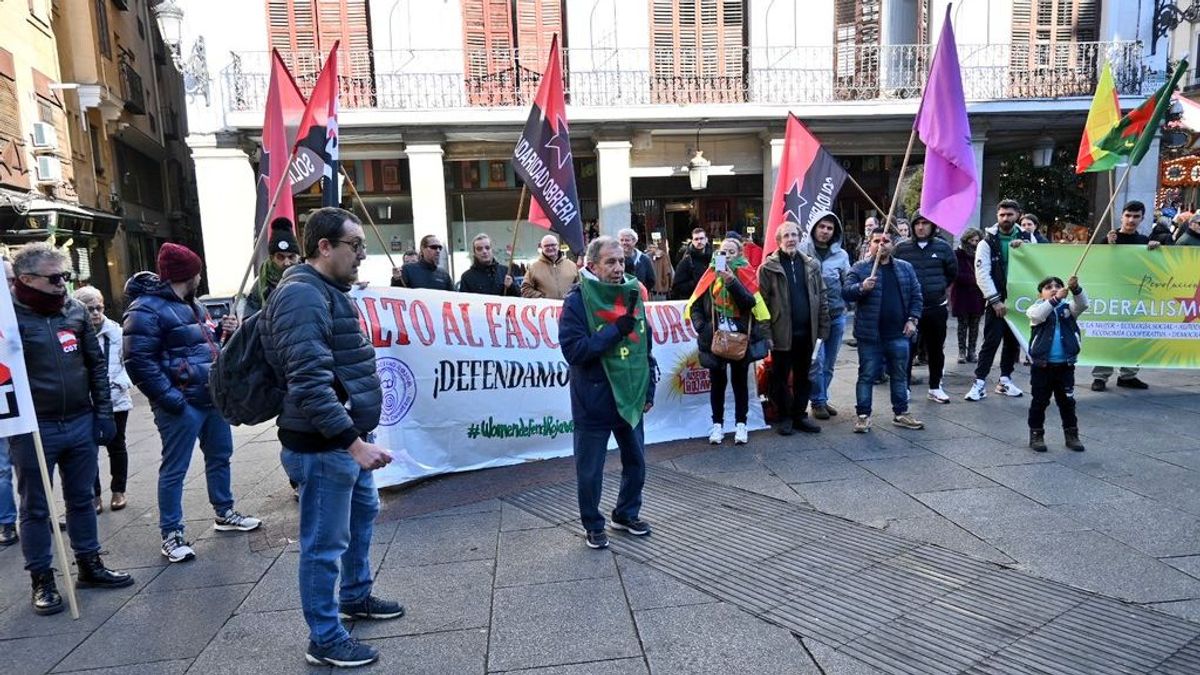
pixel 338 505
pixel 872 357
pixel 8 507
pixel 826 358
pixel 71 446
pixel 179 434
pixel 591 446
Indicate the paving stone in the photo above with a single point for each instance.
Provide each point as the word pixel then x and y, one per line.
pixel 878 444
pixel 219 562
pixel 278 588
pixel 96 606
pixel 140 633
pixel 172 667
pixel 984 451
pixel 1100 461
pixel 612 667
pixel 541 556
pixel 513 518
pixel 945 533
pixel 926 473
pixel 821 464
pixel 996 511
pixel 760 481
pixel 37 655
pixel 1189 459
pixel 138 545
pixel 1055 484
pixel 1150 527
pixel 648 588
pixel 546 624
pixel 424 541
pixel 448 596
pixel 720 460
pixel 1187 564
pixel 484 506
pixel 831 661
pixel 1174 486
pixel 463 651
pixel 861 499
pixel 1185 609
pixel 718 639
pixel 263 643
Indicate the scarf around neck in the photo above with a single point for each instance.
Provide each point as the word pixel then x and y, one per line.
pixel 626 365
pixel 46 304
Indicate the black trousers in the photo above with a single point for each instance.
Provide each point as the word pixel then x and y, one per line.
pixel 995 333
pixel 118 456
pixel 932 331
pixel 741 391
pixel 792 399
pixel 1057 379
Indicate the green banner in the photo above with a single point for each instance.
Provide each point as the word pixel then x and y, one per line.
pixel 1144 305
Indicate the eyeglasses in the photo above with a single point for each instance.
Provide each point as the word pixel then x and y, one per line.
pixel 53 278
pixel 356 246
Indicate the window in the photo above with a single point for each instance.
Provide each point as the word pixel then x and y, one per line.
pixel 10 110
pixel 504 55
pixel 698 51
pixel 305 30
pixel 856 49
pixel 97 155
pixel 104 39
pixel 1047 57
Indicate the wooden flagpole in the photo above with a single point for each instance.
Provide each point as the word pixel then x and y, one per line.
pixel 1112 219
pixel 266 225
pixel 516 228
pixel 367 213
pixel 59 544
pixel 1112 199
pixel 912 137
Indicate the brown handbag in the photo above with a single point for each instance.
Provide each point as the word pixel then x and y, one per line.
pixel 729 345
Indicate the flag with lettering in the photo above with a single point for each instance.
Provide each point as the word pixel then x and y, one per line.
pixel 17 415
pixel 285 107
pixel 808 182
pixel 317 138
pixel 542 159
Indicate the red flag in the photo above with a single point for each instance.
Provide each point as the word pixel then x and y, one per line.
pixel 285 106
pixel 809 180
pixel 317 138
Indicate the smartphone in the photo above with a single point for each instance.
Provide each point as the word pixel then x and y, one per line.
pixel 722 262
pixel 655 236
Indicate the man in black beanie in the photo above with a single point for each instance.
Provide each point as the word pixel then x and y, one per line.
pixel 282 252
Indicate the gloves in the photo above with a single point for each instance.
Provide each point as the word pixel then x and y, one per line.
pixel 625 324
pixel 104 429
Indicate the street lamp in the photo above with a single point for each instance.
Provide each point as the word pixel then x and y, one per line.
pixel 697 168
pixel 170 24
pixel 169 16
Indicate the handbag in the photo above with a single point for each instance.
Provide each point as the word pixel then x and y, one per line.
pixel 729 345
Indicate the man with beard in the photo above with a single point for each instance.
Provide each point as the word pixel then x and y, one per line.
pixel 486 276
pixel 425 272
pixel 170 345
pixel 551 275
pixel 936 268
pixel 691 267
pixel 824 244
pixel 282 252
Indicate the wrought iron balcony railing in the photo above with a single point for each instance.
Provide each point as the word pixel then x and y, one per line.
pixel 424 80
pixel 132 90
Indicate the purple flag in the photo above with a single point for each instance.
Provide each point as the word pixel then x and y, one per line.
pixel 950 189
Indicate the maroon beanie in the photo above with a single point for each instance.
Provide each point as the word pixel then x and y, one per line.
pixel 177 263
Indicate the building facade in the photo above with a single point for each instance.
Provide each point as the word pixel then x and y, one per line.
pixel 433 95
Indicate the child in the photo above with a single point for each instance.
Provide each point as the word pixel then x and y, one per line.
pixel 1053 346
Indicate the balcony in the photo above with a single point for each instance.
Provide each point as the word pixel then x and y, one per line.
pixel 429 80
pixel 132 90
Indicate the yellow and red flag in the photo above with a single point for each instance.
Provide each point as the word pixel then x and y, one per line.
pixel 1103 116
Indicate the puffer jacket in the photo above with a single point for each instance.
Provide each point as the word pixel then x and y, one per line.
pixel 170 344
pixel 935 264
pixel 421 274
pixel 1041 327
pixel 834 267
pixel 689 270
pixel 549 278
pixel 486 279
pixel 66 369
pixel 313 339
pixel 991 272
pixel 866 316
pixel 110 336
pixel 773 286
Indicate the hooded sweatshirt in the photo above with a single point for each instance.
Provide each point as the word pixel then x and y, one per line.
pixel 835 262
pixel 935 263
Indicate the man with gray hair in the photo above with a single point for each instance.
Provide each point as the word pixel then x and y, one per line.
pixel 68 377
pixel 636 263
pixel 486 276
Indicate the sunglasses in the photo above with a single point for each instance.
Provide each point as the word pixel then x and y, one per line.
pixel 436 247
pixel 53 278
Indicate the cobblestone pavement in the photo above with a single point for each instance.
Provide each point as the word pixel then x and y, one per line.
pixel 496 579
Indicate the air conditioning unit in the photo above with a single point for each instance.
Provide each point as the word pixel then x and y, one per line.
pixel 44 136
pixel 49 169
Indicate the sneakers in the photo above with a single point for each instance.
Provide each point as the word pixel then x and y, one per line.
pixel 231 521
pixel 863 424
pixel 978 391
pixel 1131 383
pixel 907 421
pixel 597 539
pixel 740 435
pixel 45 596
pixel 371 607
pixel 820 411
pixel 716 434
pixel 938 396
pixel 1005 387
pixel 8 534
pixel 348 653
pixel 635 526
pixel 175 549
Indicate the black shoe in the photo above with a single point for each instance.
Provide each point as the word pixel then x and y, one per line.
pixel 635 526
pixel 597 539
pixel 1132 383
pixel 806 425
pixel 785 428
pixel 1098 385
pixel 8 535
pixel 371 608
pixel 1071 435
pixel 45 597
pixel 971 358
pixel 93 574
pixel 820 412
pixel 1037 440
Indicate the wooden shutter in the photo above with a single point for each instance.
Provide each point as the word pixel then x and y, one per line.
pixel 1047 59
pixel 856 49
pixel 537 23
pixel 305 30
pixel 488 59
pixel 698 50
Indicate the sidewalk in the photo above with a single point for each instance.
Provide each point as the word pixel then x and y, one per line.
pixel 901 551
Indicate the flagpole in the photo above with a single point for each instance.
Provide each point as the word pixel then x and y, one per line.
pixel 853 182
pixel 912 137
pixel 58 535
pixel 1104 215
pixel 367 213
pixel 265 225
pixel 1112 219
pixel 516 227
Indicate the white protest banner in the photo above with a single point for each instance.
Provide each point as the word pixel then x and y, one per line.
pixel 17 415
pixel 476 381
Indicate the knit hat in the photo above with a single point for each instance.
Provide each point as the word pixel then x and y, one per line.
pixel 177 263
pixel 282 239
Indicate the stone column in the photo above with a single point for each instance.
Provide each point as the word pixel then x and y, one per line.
pixel 772 155
pixel 428 190
pixel 977 142
pixel 225 187
pixel 616 190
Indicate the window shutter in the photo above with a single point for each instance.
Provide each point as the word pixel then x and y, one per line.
pixel 698 51
pixel 305 30
pixel 488 51
pixel 537 23
pixel 10 110
pixel 1047 59
pixel 856 52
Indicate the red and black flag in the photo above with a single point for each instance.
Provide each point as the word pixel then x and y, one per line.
pixel 809 180
pixel 317 139
pixel 543 159
pixel 285 107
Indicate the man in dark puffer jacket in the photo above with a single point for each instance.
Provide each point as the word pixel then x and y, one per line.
pixel 313 340
pixel 936 267
pixel 486 276
pixel 170 344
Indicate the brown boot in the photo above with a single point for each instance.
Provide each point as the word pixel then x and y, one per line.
pixel 1037 440
pixel 1071 434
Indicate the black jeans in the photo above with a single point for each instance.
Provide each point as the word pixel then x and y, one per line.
pixel 1057 379
pixel 995 332
pixel 741 391
pixel 792 399
pixel 118 456
pixel 932 329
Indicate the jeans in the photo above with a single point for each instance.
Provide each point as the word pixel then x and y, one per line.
pixel 591 446
pixel 118 456
pixel 932 329
pixel 792 399
pixel 827 357
pixel 872 357
pixel 720 377
pixel 71 446
pixel 1057 379
pixel 179 434
pixel 338 505
pixel 1105 372
pixel 8 505
pixel 995 332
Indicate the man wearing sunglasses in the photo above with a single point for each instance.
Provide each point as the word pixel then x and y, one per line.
pixel 68 377
pixel 425 273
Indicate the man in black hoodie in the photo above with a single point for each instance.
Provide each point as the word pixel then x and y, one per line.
pixel 486 276
pixel 693 264
pixel 936 267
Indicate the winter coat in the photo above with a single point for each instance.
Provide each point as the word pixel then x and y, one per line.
pixel 834 267
pixel 549 279
pixel 67 373
pixel 991 273
pixel 641 266
pixel 111 343
pixel 689 270
pixel 313 339
pixel 170 344
pixel 421 274
pixel 487 280
pixel 866 315
pixel 1041 327
pixel 1188 238
pixel 965 297
pixel 773 286
pixel 664 274
pixel 935 264
pixel 701 317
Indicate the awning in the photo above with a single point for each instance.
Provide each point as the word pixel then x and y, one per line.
pixel 26 218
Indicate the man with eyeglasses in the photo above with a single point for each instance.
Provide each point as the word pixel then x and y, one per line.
pixel 68 377
pixel 424 273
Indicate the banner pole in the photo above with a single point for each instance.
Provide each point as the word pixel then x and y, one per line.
pixel 370 220
pixel 266 225
pixel 896 195
pixel 1104 215
pixel 59 544
pixel 516 228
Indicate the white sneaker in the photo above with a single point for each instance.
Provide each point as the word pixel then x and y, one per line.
pixel 716 434
pixel 1007 388
pixel 231 521
pixel 740 435
pixel 978 391
pixel 938 396
pixel 175 549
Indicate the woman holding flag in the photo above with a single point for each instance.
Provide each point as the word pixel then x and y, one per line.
pixel 727 299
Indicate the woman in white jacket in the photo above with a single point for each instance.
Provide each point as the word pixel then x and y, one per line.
pixel 110 336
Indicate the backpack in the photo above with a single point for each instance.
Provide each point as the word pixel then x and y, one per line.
pixel 243 386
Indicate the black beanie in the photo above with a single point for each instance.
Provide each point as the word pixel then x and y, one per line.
pixel 282 239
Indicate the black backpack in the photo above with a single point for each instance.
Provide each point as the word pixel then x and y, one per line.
pixel 243 386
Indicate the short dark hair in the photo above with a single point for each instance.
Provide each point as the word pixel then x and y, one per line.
pixel 1049 280
pixel 878 230
pixel 699 230
pixel 1009 204
pixel 1030 216
pixel 1134 206
pixel 325 223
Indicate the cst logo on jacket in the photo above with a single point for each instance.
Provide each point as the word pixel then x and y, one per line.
pixel 1045 316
